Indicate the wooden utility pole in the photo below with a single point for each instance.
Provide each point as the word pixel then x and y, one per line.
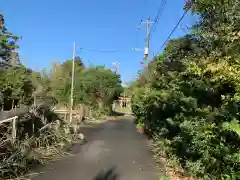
pixel 72 84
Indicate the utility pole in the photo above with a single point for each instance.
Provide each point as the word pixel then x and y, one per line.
pixel 72 85
pixel 115 66
pixel 146 49
pixel 146 52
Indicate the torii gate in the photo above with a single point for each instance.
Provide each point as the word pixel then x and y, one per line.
pixel 124 102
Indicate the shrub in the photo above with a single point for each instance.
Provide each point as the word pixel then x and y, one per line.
pixel 191 104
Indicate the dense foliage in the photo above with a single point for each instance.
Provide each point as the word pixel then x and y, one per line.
pixel 94 86
pixel 16 86
pixel 98 86
pixel 190 100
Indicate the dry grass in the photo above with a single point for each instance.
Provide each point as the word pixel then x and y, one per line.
pixel 173 172
pixel 16 159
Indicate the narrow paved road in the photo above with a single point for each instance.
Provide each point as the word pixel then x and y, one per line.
pixel 114 151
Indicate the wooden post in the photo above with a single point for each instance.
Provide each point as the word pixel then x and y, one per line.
pixel 65 116
pixel 3 106
pixel 12 104
pixel 33 127
pixel 114 105
pixel 81 113
pixel 89 112
pixel 14 129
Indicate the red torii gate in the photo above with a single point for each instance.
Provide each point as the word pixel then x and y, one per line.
pixel 124 101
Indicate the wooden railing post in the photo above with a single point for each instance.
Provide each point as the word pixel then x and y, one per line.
pixel 14 129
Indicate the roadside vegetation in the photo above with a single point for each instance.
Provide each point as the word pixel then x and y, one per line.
pixel 188 99
pixel 42 135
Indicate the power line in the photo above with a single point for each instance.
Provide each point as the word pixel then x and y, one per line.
pixel 103 51
pixel 149 31
pixel 160 11
pixel 157 18
pixel 174 29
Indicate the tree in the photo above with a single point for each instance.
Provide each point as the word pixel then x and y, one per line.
pixel 7 46
pixel 16 86
pixel 61 79
pixel 100 86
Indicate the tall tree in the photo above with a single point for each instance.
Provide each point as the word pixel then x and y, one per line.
pixel 100 85
pixel 8 45
pixel 61 79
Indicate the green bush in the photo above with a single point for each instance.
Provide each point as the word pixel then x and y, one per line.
pixel 191 104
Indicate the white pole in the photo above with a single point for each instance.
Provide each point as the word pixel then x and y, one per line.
pixel 72 85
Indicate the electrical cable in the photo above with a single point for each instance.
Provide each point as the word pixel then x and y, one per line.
pixel 157 18
pixel 174 29
pixel 104 51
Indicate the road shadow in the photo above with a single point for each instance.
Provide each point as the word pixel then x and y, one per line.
pixel 110 174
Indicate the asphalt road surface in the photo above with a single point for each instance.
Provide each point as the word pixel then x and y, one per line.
pixel 114 151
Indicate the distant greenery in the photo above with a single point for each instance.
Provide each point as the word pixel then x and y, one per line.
pixel 101 86
pixel 94 86
pixel 16 85
pixel 189 100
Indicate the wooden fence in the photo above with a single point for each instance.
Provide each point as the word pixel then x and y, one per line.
pixel 13 112
pixel 78 115
pixel 14 129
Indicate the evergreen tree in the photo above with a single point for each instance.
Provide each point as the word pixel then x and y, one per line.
pixel 8 45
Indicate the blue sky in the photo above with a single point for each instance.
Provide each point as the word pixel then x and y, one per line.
pixel 49 28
